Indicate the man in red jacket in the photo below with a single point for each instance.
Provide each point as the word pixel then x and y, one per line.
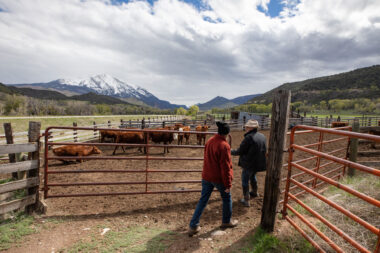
pixel 217 172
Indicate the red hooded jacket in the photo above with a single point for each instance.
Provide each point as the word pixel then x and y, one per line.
pixel 217 164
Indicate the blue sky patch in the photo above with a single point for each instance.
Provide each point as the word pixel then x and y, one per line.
pixel 274 8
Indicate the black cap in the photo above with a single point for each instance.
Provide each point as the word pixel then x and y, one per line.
pixel 223 128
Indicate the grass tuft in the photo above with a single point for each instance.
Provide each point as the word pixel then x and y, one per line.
pixel 13 230
pixel 262 242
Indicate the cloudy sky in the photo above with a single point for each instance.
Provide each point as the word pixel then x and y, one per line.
pixel 187 51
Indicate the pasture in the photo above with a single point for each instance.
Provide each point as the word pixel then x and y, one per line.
pixel 20 124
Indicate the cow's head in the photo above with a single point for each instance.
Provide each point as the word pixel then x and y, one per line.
pixel 205 128
pixel 96 150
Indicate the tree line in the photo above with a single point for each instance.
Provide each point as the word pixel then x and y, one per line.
pixel 16 105
pixel 357 105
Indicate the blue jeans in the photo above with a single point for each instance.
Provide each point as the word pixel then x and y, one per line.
pixel 207 189
pixel 246 176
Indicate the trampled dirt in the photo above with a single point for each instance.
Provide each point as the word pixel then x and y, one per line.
pixel 170 211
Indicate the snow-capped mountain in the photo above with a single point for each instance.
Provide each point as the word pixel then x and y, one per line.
pixel 105 85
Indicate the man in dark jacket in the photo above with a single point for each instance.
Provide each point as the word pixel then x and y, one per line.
pixel 252 152
pixel 217 172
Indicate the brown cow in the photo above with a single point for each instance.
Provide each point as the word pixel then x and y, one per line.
pixel 182 128
pixel 338 124
pixel 166 138
pixel 201 137
pixel 186 135
pixel 108 134
pixel 76 150
pixel 130 137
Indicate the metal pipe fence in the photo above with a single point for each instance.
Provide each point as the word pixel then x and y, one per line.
pixel 147 158
pixel 309 185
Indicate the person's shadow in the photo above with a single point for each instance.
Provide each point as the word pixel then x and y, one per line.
pixel 179 241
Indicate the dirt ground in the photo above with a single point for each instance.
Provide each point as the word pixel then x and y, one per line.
pixel 81 215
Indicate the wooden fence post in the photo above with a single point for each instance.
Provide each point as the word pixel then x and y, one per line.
pixel 143 123
pixel 95 131
pixel 34 136
pixel 9 137
pixel 353 148
pixel 163 123
pixel 277 142
pixel 75 133
pixel 109 124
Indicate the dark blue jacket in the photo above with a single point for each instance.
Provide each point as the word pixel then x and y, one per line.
pixel 252 151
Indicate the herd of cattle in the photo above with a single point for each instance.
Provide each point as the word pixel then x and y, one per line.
pixel 136 137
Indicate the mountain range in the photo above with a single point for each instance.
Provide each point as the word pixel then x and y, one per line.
pixel 222 102
pixel 103 85
pixel 358 83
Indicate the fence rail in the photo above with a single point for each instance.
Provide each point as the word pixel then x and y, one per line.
pixel 264 123
pixel 147 157
pixel 310 186
pixel 25 175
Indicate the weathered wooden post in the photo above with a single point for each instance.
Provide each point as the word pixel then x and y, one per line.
pixel 75 133
pixel 34 136
pixel 163 123
pixel 143 123
pixel 121 122
pixel 277 142
pixel 9 138
pixel 353 148
pixel 95 131
pixel 109 124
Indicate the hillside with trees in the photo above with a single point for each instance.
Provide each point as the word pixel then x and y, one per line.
pixel 359 83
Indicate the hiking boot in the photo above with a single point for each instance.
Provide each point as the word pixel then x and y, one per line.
pixel 254 194
pixel 193 231
pixel 245 199
pixel 245 202
pixel 231 224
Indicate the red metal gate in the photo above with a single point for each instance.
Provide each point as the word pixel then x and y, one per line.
pixel 325 178
pixel 148 158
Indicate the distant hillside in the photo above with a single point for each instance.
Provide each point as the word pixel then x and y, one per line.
pixel 243 99
pixel 217 102
pixel 359 83
pixel 99 99
pixel 222 102
pixel 54 95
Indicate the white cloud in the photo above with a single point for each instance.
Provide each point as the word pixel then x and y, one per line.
pixel 171 50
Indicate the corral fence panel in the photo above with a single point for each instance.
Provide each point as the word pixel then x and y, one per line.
pixel 19 189
pixel 148 158
pixel 306 177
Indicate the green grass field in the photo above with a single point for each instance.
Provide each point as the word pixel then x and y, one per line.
pixel 20 124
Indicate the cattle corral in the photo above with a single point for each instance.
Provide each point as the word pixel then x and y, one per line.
pixel 172 206
pixel 110 204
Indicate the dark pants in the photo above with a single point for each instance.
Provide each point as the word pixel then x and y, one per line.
pixel 207 188
pixel 248 176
